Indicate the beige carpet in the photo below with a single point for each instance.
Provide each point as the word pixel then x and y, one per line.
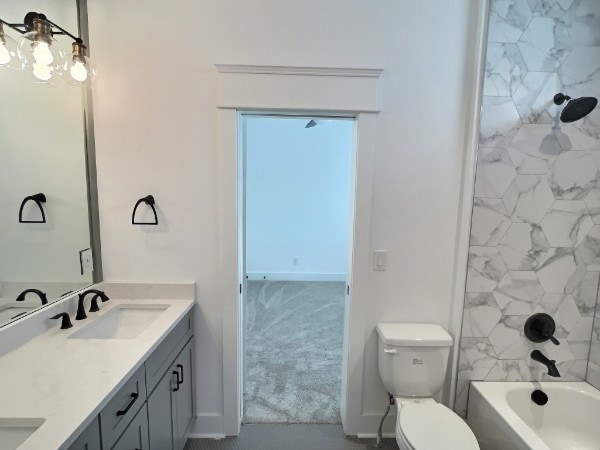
pixel 294 352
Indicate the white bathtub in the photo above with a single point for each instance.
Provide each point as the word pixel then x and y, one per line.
pixel 503 416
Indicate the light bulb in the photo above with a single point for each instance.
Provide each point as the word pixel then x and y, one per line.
pixel 79 72
pixel 42 71
pixel 4 54
pixel 42 53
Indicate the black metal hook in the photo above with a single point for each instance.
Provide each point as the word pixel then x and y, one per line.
pixel 38 199
pixel 149 200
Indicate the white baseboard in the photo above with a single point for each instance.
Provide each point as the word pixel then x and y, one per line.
pixel 374 435
pixel 216 437
pixel 295 276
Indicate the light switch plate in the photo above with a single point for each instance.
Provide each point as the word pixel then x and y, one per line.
pixel 380 260
pixel 86 261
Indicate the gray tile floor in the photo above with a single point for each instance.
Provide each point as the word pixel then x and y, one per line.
pixel 289 437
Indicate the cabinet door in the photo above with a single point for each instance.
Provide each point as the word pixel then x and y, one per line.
pixel 89 439
pixel 135 436
pixel 184 396
pixel 160 413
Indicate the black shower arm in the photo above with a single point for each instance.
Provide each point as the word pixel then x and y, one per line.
pixel 38 199
pixel 149 200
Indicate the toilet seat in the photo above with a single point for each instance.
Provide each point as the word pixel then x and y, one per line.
pixel 432 426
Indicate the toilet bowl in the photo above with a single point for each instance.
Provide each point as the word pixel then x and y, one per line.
pixel 431 426
pixel 412 364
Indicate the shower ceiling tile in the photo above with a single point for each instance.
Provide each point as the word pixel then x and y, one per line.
pixel 489 223
pixel 481 314
pixel 583 22
pixel 573 175
pixel 495 172
pixel 533 149
pixel 550 8
pixel 534 97
pixel 485 268
pixel 567 223
pixel 545 44
pixel 518 293
pixel 508 20
pixel 580 73
pixel 561 270
pixel 572 137
pixel 504 70
pixel 500 121
pixel 528 198
pixel 523 246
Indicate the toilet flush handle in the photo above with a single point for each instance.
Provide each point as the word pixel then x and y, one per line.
pixel 390 351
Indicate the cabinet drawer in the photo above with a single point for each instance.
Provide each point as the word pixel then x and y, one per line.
pixel 161 358
pixel 135 436
pixel 117 414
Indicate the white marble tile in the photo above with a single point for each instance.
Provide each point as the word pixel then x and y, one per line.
pixel 523 246
pixel 571 137
pixel 559 353
pixel 561 270
pixel 567 223
pixel 462 398
pixel 489 223
pixel 495 172
pixel 508 20
pixel 576 372
pixel 550 303
pixel 573 175
pixel 508 340
pixel 545 44
pixel 580 72
pixel 509 370
pixel 484 269
pixel 586 292
pixel 583 23
pixel 550 8
pixel 590 249
pixel 567 315
pixel 500 121
pixel 582 330
pixel 481 314
pixel 593 375
pixel 533 149
pixel 476 358
pixel 534 97
pixel 504 70
pixel 580 349
pixel 528 198
pixel 518 293
pixel 592 201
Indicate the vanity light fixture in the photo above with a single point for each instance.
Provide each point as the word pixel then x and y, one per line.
pixel 9 53
pixel 40 55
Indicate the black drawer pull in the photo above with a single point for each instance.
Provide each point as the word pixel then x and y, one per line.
pixel 180 367
pixel 134 397
pixel 176 373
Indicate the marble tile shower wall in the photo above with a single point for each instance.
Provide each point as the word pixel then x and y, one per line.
pixel 535 237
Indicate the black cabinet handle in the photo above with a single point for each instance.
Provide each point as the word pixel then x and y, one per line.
pixel 180 367
pixel 176 373
pixel 134 397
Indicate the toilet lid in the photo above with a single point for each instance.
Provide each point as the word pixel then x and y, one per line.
pixel 432 426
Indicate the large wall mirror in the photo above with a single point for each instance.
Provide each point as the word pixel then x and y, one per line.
pixel 46 149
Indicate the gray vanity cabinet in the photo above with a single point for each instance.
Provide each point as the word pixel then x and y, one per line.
pixel 171 404
pixel 135 436
pixel 89 439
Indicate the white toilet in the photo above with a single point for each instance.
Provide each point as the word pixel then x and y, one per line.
pixel 412 364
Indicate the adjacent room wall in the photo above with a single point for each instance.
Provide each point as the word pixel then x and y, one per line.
pixel 155 118
pixel 297 198
pixel 536 216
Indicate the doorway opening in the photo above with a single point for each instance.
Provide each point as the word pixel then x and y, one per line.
pixel 295 227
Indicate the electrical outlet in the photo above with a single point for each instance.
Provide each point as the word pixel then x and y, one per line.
pixel 86 261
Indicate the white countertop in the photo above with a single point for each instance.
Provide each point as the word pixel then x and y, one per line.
pixel 67 382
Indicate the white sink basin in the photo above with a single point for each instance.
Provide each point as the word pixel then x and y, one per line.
pixel 13 432
pixel 122 322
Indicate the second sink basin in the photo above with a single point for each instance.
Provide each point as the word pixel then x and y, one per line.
pixel 13 432
pixel 122 322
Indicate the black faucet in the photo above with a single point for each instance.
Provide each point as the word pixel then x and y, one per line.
pixel 66 321
pixel 536 355
pixel 80 308
pixel 40 294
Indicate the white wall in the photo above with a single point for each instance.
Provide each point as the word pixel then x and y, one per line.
pixel 155 120
pixel 297 198
pixel 43 150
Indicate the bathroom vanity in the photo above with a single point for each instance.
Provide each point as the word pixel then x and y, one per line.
pixel 120 379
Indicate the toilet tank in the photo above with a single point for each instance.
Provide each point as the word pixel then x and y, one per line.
pixel 413 358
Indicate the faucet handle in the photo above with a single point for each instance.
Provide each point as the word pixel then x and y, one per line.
pixel 66 320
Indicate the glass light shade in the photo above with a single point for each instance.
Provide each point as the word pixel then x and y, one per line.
pixel 77 70
pixel 40 56
pixel 9 52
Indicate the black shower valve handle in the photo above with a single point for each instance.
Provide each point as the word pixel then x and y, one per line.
pixel 540 327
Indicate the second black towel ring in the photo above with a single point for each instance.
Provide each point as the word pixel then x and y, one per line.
pixel 149 200
pixel 38 199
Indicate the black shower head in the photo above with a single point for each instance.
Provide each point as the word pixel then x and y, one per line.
pixel 576 108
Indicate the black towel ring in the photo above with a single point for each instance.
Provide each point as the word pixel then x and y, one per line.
pixel 149 200
pixel 38 199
